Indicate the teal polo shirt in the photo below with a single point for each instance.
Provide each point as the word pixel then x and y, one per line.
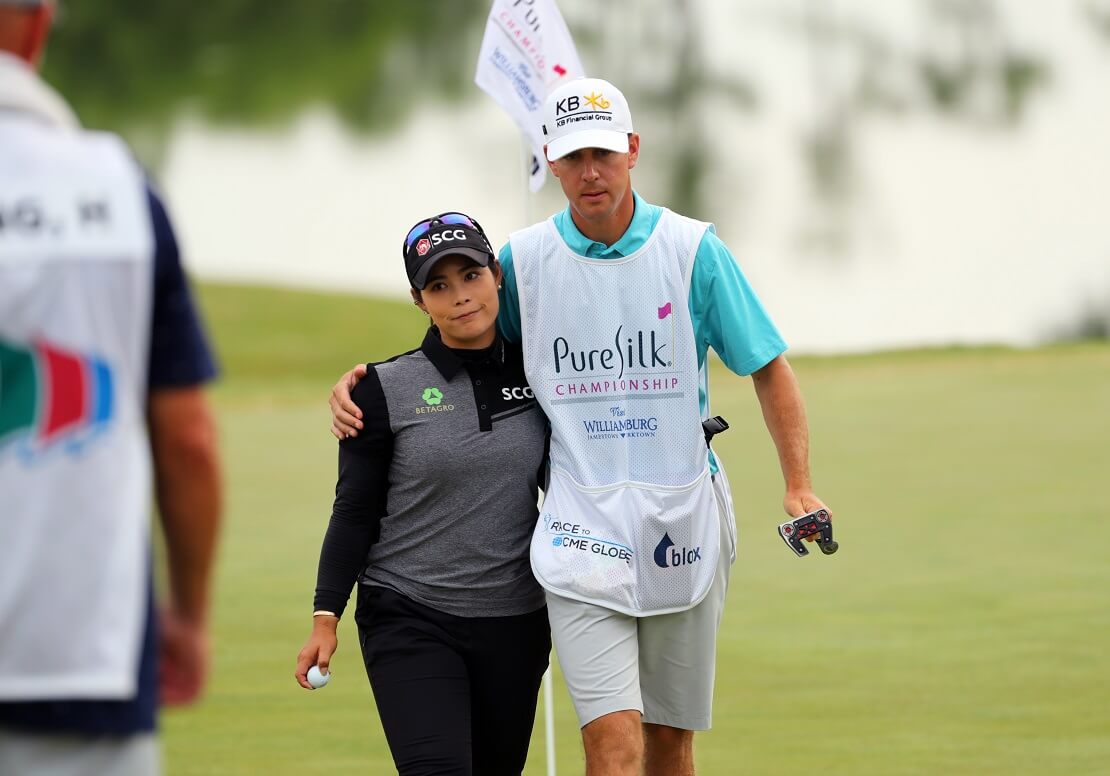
pixel 726 313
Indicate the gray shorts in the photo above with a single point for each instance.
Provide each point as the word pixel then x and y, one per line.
pixel 69 755
pixel 662 666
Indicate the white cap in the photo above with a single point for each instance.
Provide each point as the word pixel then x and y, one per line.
pixel 585 113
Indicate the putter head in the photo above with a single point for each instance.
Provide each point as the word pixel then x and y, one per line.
pixel 817 524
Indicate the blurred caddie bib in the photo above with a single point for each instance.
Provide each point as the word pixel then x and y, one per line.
pixel 75 305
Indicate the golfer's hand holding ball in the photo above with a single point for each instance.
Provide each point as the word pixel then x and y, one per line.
pixel 313 662
pixel 316 678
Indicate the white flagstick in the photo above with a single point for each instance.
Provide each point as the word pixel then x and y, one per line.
pixel 525 53
pixel 549 721
pixel 548 681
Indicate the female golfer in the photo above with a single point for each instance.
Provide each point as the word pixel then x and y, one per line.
pixel 433 515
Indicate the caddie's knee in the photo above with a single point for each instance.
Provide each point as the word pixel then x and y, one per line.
pixel 614 744
pixel 665 739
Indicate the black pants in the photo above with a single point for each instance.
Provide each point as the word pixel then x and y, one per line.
pixel 456 695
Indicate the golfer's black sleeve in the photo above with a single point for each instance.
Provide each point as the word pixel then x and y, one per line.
pixel 360 498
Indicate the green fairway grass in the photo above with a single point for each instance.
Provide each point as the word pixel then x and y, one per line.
pixel 963 627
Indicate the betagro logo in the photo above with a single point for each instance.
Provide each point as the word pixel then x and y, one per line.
pixel 433 401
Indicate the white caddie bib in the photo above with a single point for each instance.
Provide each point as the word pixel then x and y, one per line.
pixel 76 284
pixel 629 520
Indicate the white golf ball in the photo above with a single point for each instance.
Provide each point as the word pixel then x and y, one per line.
pixel 317 679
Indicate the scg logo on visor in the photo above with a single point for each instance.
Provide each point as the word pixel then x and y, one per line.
pixel 447 236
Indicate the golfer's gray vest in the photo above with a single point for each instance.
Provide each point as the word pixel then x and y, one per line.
pixel 461 501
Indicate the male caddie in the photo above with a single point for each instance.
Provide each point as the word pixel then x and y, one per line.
pixel 102 362
pixel 616 302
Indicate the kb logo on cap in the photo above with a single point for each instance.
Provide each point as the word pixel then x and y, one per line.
pixel 423 246
pixel 573 103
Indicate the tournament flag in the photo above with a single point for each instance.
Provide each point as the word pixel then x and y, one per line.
pixel 527 51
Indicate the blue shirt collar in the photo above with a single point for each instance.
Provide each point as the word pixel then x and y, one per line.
pixel 644 218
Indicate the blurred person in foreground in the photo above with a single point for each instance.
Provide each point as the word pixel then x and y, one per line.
pixel 102 361
pixel 434 509
pixel 616 302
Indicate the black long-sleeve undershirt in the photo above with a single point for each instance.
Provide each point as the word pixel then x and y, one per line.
pixel 361 491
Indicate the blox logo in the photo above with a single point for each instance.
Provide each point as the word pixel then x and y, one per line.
pixel 432 397
pixel 668 557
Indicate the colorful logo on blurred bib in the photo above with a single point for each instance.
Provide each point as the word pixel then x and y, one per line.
pixel 50 395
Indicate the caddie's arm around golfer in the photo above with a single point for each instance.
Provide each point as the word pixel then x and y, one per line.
pixel 346 416
pixel 784 413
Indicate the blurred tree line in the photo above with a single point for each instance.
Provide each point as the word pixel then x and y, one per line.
pixel 965 68
pixel 131 66
pixel 127 64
